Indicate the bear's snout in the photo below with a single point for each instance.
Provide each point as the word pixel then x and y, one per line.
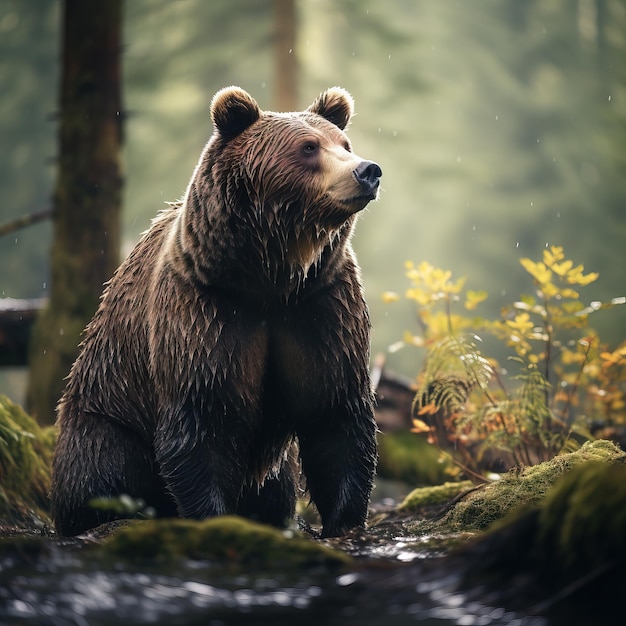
pixel 367 174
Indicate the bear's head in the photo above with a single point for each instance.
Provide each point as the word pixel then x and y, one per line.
pixel 295 173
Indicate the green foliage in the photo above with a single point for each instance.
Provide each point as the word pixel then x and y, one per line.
pixel 561 554
pixel 403 457
pixel 582 522
pixel 25 460
pixel 124 506
pixel 520 490
pixel 438 494
pixel 561 382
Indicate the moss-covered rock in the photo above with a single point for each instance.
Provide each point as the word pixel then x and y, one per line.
pixel 582 524
pixel 437 494
pixel 563 557
pixel 407 457
pixel 230 540
pixel 25 461
pixel 522 489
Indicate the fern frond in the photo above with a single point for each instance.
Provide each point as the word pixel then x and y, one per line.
pixel 458 356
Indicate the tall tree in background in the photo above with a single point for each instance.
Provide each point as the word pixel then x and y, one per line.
pixel 87 197
pixel 286 66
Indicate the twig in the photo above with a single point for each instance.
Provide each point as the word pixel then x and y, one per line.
pixel 449 505
pixel 24 221
pixel 574 388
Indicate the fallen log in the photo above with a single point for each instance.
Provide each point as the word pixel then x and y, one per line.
pixel 17 317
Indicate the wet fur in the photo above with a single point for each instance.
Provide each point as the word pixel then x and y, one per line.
pixel 235 328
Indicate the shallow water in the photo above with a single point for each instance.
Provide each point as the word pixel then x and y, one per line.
pixel 63 588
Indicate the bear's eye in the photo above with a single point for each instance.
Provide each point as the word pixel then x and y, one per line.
pixel 309 148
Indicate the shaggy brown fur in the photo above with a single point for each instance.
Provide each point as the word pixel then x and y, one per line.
pixel 235 328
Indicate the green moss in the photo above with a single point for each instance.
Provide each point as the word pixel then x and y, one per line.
pixel 407 457
pixel 229 540
pixel 439 494
pixel 25 461
pixel 564 556
pixel 583 521
pixel 523 489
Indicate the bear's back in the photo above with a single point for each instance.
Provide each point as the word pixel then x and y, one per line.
pixel 115 349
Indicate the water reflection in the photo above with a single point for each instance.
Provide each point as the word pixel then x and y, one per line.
pixel 66 592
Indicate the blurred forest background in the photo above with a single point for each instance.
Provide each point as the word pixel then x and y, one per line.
pixel 500 127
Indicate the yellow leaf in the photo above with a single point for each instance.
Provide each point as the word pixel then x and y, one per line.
pixel 420 427
pixel 568 357
pixel 419 295
pixel 389 297
pixel 474 298
pixel 549 290
pixel 562 268
pixel 457 286
pixel 587 278
pixel 612 358
pixel 553 255
pixel 428 409
pixel 561 396
pixel 521 323
pixel 537 270
pixel 413 340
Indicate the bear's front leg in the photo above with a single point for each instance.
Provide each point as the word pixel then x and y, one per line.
pixel 202 463
pixel 208 396
pixel 339 461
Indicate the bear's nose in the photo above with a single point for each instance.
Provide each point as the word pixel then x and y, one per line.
pixel 368 176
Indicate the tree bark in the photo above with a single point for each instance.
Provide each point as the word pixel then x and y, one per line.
pixel 286 66
pixel 87 197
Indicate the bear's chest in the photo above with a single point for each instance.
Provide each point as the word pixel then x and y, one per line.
pixel 299 373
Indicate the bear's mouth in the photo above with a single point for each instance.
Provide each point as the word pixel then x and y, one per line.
pixel 359 202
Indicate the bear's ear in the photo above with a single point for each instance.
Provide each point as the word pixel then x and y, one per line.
pixel 336 105
pixel 233 110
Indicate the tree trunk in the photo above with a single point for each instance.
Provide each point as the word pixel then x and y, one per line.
pixel 87 198
pixel 286 66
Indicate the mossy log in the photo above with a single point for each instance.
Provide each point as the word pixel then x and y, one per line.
pixel 437 494
pixel 227 540
pixel 563 557
pixel 521 489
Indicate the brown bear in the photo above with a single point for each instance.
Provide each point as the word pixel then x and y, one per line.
pixel 235 332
